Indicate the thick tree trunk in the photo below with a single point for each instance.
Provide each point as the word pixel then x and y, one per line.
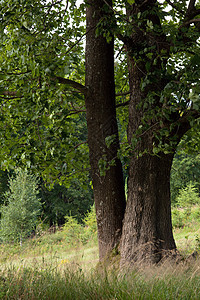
pixel 101 121
pixel 147 232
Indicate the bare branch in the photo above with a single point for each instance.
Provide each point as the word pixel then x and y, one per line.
pixel 123 104
pixel 85 142
pixel 78 41
pixel 10 98
pixel 9 93
pixel 76 112
pixel 190 22
pixel 81 88
pixel 123 94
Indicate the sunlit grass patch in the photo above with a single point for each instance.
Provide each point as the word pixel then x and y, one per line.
pixel 186 238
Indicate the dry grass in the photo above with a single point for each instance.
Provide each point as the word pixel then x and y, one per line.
pixel 51 269
pixel 66 281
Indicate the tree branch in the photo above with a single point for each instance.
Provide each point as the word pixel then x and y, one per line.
pixel 122 104
pixel 10 98
pixel 174 6
pixel 191 4
pixel 189 22
pixel 191 8
pixel 9 93
pixel 191 11
pixel 76 112
pixel 81 88
pixel 85 142
pixel 123 94
pixel 186 116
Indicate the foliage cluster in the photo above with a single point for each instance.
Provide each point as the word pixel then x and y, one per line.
pixel 75 233
pixel 185 169
pixel 187 209
pixel 60 201
pixel 19 214
pixel 47 134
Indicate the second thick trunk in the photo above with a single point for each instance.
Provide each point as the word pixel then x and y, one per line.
pixel 147 232
pixel 101 122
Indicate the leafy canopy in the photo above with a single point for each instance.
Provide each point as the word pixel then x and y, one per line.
pixel 39 123
pixel 42 123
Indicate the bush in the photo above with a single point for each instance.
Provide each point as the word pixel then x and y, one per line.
pixel 188 209
pixel 90 220
pixel 22 206
pixel 188 196
pixel 185 216
pixel 177 218
pixel 90 225
pixel 80 233
pixel 73 230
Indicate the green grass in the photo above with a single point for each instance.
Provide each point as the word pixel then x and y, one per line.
pixel 48 267
pixel 47 249
pixel 49 282
pixel 186 238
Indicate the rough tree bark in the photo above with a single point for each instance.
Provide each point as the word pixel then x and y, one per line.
pixel 147 232
pixel 101 121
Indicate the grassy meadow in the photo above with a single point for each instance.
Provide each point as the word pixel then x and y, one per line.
pixel 62 265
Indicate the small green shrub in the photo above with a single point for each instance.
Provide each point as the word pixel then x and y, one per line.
pixel 185 216
pixel 188 196
pixel 73 230
pixel 80 233
pixel 177 218
pixel 90 225
pixel 188 208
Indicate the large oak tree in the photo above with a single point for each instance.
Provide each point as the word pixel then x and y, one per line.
pixel 41 70
pixel 160 113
